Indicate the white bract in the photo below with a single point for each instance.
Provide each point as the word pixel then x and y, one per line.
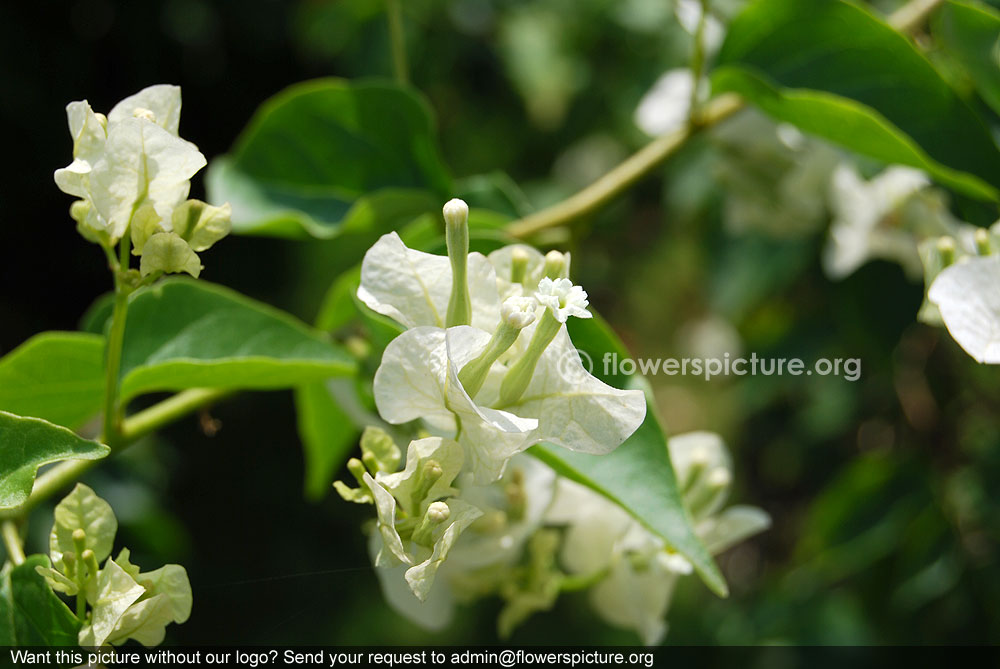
pixel 131 169
pixel 968 297
pixel 860 230
pixel 485 365
pixel 635 571
pixel 666 106
pixel 526 383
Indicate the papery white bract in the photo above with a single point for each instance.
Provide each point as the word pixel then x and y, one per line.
pixel 968 297
pixel 413 287
pixel 132 169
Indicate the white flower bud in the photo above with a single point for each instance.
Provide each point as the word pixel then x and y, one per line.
pixel 438 512
pixel 563 299
pixel 518 312
pixel 556 265
pixel 456 212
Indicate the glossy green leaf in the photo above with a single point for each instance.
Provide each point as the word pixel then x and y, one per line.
pixel 970 31
pixel 327 435
pixel 185 334
pixel 637 475
pixel 30 613
pixel 28 443
pixel 875 94
pixel 83 510
pixel 57 376
pixel 313 153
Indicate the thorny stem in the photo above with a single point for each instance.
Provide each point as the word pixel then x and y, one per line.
pixel 906 19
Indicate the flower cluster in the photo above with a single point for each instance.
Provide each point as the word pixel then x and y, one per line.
pixel 132 174
pixel 125 602
pixel 484 370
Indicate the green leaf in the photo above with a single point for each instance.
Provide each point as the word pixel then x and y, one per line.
pixel 57 376
pixel 185 334
pixel 637 475
pixel 318 148
pixel 327 435
pixel 970 31
pixel 28 443
pixel 30 613
pixel 876 95
pixel 83 510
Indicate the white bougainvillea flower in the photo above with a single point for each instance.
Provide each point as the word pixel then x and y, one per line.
pixel 859 208
pixel 513 510
pixel 418 380
pixel 967 294
pixel 128 160
pixel 413 287
pixel 667 105
pixel 636 569
pixel 446 521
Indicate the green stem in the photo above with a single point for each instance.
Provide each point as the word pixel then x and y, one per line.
pixel 397 40
pixel 62 475
pixel 625 175
pixel 81 606
pixel 116 340
pixel 906 20
pixel 12 542
pixel 698 64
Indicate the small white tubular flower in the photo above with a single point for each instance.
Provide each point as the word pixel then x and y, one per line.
pixel 667 105
pixel 562 298
pixel 859 207
pixel 519 312
pixel 413 288
pixel 418 379
pixel 968 298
